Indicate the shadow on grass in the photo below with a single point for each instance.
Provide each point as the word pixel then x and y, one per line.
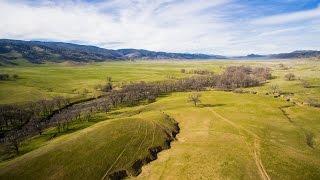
pixel 210 105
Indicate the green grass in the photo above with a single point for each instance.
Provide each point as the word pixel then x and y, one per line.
pixel 217 140
pixel 49 134
pixel 49 80
pixel 210 147
pixel 90 153
pixel 228 136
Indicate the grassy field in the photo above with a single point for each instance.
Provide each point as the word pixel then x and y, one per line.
pixel 66 79
pixel 235 136
pixel 228 136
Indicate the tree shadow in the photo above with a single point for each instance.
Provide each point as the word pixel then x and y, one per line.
pixel 210 105
pixel 314 86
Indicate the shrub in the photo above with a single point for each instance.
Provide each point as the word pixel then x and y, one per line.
pixel 305 84
pixel 109 79
pixel 15 76
pixel 4 77
pixel 202 72
pixel 238 90
pixel 151 98
pixel 183 71
pixel 107 87
pixel 283 67
pixel 274 88
pixel 313 102
pixel 290 77
pixel 310 139
pixel 98 87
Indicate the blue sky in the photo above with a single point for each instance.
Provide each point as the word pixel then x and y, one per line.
pixel 226 27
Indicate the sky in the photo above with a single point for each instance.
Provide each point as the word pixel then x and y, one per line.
pixel 224 27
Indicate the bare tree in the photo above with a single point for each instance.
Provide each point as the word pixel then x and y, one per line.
pixel 14 139
pixel 194 98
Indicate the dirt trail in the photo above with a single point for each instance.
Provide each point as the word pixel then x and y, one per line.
pixel 256 145
pixel 258 161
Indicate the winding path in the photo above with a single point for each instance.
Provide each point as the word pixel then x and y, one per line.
pixel 256 145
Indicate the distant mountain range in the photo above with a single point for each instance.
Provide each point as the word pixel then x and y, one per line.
pixel 291 55
pixel 39 52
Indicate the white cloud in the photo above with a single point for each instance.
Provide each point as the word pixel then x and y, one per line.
pixel 200 26
pixel 288 17
pixel 174 26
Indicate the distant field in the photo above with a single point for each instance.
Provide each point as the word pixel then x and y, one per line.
pixel 67 79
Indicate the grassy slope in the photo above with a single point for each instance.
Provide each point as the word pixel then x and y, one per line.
pixel 227 136
pixel 106 147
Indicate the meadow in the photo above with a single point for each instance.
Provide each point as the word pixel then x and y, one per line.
pixel 74 80
pixel 228 135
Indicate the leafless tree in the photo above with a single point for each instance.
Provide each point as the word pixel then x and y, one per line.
pixel 194 98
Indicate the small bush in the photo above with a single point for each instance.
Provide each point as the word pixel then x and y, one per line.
pixel 290 77
pixel 151 98
pixel 310 139
pixel 4 77
pixel 107 87
pixel 15 76
pixel 305 84
pixel 238 90
pixel 183 70
pixel 98 87
pixel 274 88
pixel 283 67
pixel 313 102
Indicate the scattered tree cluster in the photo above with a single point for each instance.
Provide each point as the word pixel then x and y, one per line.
pixel 197 71
pixel 19 121
pixel 6 77
pixel 242 76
